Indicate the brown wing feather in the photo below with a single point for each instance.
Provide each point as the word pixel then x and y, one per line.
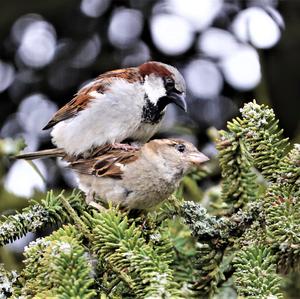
pixel 107 162
pixel 83 97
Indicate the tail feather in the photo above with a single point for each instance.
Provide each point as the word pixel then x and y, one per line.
pixel 48 153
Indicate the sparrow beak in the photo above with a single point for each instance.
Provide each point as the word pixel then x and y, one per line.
pixel 178 99
pixel 198 158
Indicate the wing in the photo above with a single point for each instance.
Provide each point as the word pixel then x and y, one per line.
pixel 107 161
pixel 83 97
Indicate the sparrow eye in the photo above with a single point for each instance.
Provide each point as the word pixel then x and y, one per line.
pixel 180 147
pixel 169 83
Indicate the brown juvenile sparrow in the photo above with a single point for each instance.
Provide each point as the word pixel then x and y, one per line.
pixel 118 105
pixel 133 178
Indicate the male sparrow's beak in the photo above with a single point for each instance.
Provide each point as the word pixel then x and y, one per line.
pixel 178 99
pixel 198 158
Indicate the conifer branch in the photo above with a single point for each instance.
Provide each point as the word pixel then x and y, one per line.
pixel 255 276
pixel 214 236
pixel 57 266
pixel 38 215
pixel 254 140
pixel 263 138
pixel 121 244
pixel 239 180
pixel 74 216
pixel 289 167
pixel 7 280
pixel 218 230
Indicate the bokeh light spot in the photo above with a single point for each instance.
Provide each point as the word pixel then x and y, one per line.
pixel 19 244
pixel 87 53
pixel 125 27
pixel 7 75
pixel 203 78
pixel 172 34
pixel 137 55
pixel 38 44
pixel 34 112
pixel 217 43
pixel 256 26
pixel 21 25
pixel 242 68
pixel 23 180
pixel 94 8
pixel 199 13
pixel 32 141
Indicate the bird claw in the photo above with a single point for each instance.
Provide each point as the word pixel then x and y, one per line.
pixel 90 196
pixel 90 200
pixel 97 206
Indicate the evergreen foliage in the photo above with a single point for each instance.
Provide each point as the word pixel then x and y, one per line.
pixel 263 138
pixel 248 246
pixel 143 266
pixel 239 180
pixel 57 266
pixel 256 276
pixel 7 281
pixel 38 215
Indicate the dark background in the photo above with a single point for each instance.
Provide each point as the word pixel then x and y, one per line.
pixel 230 52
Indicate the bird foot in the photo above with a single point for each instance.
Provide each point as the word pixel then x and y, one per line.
pixel 90 200
pixel 90 196
pixel 97 206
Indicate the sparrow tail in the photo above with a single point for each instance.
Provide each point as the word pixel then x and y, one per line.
pixel 48 153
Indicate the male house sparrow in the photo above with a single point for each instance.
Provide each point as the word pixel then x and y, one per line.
pixel 134 178
pixel 118 105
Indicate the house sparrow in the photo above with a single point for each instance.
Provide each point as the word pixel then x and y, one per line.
pixel 137 178
pixel 133 178
pixel 118 105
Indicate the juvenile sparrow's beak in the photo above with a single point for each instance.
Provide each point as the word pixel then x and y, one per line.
pixel 198 158
pixel 178 99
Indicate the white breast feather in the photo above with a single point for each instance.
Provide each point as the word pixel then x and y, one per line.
pixel 110 117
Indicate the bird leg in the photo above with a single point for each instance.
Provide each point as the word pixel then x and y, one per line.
pixel 90 196
pixel 90 200
pixel 97 206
